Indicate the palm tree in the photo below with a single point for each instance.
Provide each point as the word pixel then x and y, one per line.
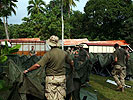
pixel 36 6
pixel 7 7
pixel 69 4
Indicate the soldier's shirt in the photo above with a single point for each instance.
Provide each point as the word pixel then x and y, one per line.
pixel 54 61
pixel 32 52
pixel 121 56
pixel 82 55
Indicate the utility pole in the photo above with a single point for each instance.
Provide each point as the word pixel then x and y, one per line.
pixel 62 25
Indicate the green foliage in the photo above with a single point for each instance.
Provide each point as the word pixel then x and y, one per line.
pixel 36 6
pixel 42 25
pixel 76 21
pixel 7 7
pixel 3 59
pixel 2 31
pixel 14 49
pixel 5 50
pixel 2 85
pixel 104 18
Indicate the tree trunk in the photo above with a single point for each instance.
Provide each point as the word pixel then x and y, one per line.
pixel 69 11
pixel 62 26
pixel 6 30
pixel 69 18
pixel 7 26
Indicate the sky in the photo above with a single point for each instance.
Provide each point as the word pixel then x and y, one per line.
pixel 21 10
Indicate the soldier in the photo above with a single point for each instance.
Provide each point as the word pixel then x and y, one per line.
pixel 119 70
pixel 76 51
pixel 68 50
pixel 55 86
pixel 32 51
pixel 83 54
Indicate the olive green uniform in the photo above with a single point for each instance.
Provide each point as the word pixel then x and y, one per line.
pixel 32 52
pixel 119 71
pixel 55 73
pixel 82 56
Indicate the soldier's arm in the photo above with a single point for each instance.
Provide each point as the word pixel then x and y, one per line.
pixel 115 58
pixel 72 64
pixel 127 56
pixel 35 66
pixel 70 61
pixel 35 52
pixel 40 63
pixel 87 54
pixel 30 53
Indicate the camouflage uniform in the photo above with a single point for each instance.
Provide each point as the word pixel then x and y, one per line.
pixel 119 70
pixel 119 74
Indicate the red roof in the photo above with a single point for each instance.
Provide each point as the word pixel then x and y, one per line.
pixel 107 43
pixel 27 39
pixel 24 40
pixel 70 42
pixel 73 42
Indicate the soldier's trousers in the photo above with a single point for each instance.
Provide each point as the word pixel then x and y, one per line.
pixel 119 74
pixel 55 87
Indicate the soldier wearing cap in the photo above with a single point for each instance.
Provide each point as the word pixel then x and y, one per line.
pixel 55 86
pixel 68 50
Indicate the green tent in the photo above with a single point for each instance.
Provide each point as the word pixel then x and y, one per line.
pixel 31 85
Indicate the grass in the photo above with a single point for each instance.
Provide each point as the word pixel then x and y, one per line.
pixel 107 91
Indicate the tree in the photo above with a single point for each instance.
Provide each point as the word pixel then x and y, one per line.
pixel 7 7
pixel 68 3
pixel 42 25
pixel 64 4
pixel 36 6
pixel 76 21
pixel 2 31
pixel 104 18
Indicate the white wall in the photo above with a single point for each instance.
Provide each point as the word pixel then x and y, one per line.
pixel 37 46
pixel 101 49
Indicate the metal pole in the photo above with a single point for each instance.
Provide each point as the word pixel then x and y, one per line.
pixel 62 26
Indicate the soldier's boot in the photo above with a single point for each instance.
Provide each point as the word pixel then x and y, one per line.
pixel 119 88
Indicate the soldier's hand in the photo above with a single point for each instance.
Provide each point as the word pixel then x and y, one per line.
pixel 25 71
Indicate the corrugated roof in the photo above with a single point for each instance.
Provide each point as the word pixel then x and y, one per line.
pixel 107 43
pixel 73 42
pixel 24 40
pixel 27 39
pixel 70 42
